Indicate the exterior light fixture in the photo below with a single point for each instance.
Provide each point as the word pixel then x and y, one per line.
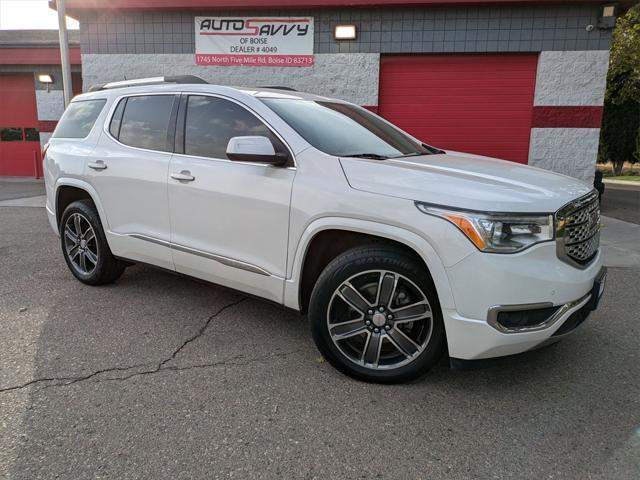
pixel 608 14
pixel 345 32
pixel 46 79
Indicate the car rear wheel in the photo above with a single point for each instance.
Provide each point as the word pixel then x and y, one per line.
pixel 375 315
pixel 85 247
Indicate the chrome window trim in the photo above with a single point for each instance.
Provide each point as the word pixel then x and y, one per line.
pixel 560 221
pixel 567 308
pixel 229 262
pixel 114 105
pixel 112 109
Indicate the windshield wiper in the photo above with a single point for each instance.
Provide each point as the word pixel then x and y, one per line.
pixel 412 154
pixel 375 156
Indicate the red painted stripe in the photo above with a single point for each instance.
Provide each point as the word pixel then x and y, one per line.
pixel 212 4
pixel 47 125
pixel 567 117
pixel 36 56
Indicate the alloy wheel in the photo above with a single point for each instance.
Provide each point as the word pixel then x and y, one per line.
pixel 80 243
pixel 379 319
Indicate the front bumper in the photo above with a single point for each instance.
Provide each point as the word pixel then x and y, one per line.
pixel 483 283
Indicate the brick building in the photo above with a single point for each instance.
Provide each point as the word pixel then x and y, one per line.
pixel 520 80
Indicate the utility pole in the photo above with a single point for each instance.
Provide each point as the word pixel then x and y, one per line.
pixel 64 52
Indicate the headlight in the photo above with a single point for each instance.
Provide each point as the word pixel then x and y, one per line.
pixel 497 233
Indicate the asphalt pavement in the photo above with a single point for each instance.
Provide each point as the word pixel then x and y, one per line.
pixel 162 377
pixel 622 201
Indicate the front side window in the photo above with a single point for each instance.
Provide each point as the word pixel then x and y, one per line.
pixel 211 122
pixel 344 130
pixel 145 122
pixel 78 119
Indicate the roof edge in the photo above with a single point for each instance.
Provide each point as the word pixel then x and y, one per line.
pixel 77 5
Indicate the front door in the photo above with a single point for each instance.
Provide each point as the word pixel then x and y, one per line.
pixel 229 220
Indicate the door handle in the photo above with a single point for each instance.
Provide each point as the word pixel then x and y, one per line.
pixel 98 165
pixel 184 176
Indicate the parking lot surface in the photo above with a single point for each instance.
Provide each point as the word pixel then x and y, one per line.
pixel 159 376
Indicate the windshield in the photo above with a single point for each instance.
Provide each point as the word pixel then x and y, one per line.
pixel 345 130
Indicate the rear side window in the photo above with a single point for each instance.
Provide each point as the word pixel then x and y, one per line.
pixel 78 119
pixel 211 122
pixel 145 122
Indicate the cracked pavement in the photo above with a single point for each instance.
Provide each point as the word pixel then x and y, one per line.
pixel 159 376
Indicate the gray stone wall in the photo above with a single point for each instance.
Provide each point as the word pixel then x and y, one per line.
pixel 352 77
pixel 570 151
pixel 571 78
pixel 50 105
pixel 504 28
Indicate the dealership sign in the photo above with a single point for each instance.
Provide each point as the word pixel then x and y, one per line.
pixel 254 41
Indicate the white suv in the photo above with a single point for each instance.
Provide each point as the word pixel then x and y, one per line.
pixel 398 251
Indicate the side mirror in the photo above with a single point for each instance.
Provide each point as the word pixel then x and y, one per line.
pixel 257 149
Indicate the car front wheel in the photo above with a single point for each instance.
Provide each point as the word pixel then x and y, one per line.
pixel 375 315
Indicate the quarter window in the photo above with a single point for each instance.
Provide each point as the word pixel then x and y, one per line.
pixel 145 122
pixel 78 119
pixel 211 122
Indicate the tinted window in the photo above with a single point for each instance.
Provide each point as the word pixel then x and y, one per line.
pixel 114 127
pixel 78 119
pixel 9 134
pixel 145 121
pixel 345 130
pixel 31 135
pixel 211 122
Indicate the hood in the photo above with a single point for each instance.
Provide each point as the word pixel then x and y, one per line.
pixel 465 181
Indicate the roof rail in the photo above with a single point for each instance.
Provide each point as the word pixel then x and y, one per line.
pixel 148 81
pixel 279 88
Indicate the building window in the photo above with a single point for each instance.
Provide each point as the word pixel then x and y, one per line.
pixel 31 134
pixel 10 134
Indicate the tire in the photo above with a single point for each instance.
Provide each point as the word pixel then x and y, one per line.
pixel 358 291
pixel 87 254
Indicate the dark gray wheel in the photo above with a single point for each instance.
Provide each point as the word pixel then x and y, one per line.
pixel 375 315
pixel 85 247
pixel 80 244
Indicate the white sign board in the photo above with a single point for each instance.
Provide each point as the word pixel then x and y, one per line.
pixel 254 41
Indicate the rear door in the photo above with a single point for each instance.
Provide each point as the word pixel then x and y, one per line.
pixel 229 220
pixel 129 171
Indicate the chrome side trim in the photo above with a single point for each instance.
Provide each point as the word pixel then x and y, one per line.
pixel 567 308
pixel 229 262
pixel 157 241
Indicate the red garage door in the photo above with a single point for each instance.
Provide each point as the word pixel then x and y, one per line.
pixel 471 103
pixel 19 137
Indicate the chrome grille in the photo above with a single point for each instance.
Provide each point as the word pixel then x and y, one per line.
pixel 578 230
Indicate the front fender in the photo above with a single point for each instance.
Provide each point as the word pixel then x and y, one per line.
pixel 406 237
